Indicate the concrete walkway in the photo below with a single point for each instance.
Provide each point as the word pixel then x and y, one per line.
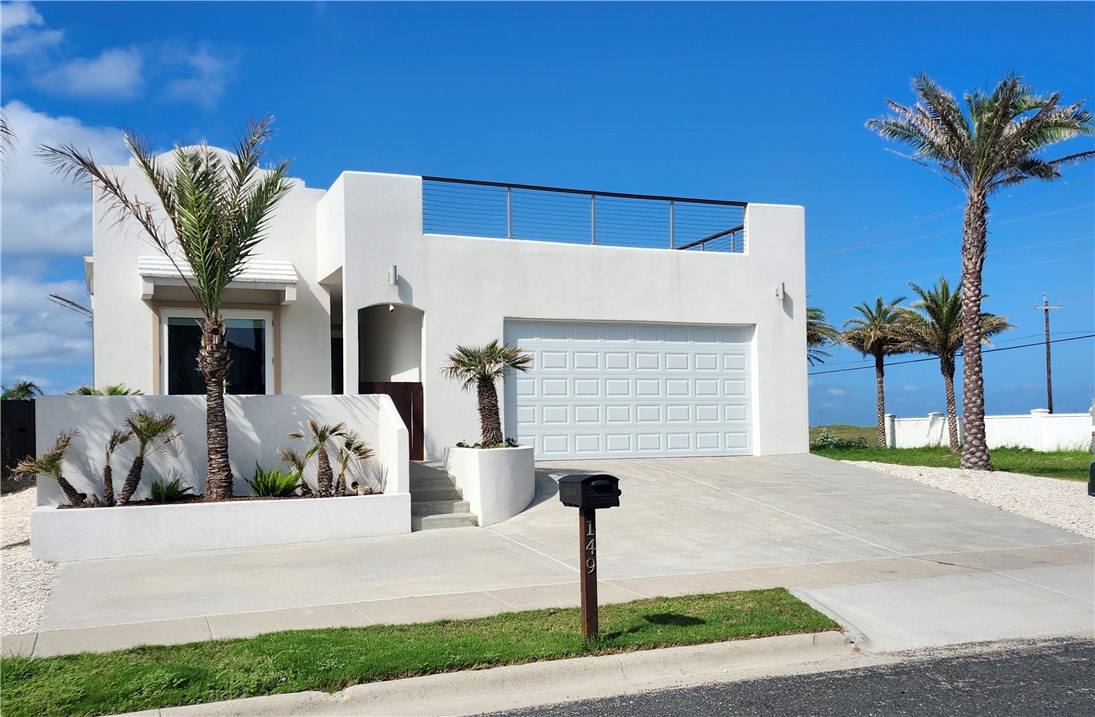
pixel 899 564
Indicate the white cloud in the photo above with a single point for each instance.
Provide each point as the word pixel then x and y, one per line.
pixel 40 337
pixel 910 388
pixel 205 75
pixel 19 23
pixel 44 213
pixel 835 392
pixel 115 73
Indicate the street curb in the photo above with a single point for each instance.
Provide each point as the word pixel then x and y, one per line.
pixel 518 686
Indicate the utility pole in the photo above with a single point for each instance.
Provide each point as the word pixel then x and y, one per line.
pixel 1049 366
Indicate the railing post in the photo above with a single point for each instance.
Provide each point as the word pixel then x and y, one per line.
pixel 593 216
pixel 672 230
pixel 509 212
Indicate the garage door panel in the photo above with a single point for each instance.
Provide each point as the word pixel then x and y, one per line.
pixel 599 389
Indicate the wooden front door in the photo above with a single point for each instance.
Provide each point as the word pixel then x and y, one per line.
pixel 407 397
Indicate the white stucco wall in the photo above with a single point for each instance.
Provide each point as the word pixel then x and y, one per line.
pixel 468 287
pixel 257 426
pixel 126 327
pixel 1039 430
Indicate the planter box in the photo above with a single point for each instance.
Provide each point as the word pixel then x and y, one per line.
pixel 498 482
pixel 90 533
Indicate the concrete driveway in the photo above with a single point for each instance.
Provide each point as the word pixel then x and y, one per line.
pixel 898 563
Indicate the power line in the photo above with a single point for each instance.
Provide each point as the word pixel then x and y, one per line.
pixel 959 353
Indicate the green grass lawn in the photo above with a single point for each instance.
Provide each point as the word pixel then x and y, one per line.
pixel 152 677
pixel 1071 465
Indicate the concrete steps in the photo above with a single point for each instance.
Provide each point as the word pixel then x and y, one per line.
pixel 436 502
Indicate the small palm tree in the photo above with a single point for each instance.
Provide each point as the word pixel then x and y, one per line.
pixel 819 334
pixel 217 213
pixel 50 464
pixel 152 432
pixel 482 366
pixel 117 438
pixel 935 328
pixel 20 391
pixel 320 435
pixel 352 449
pixel 995 144
pixel 299 463
pixel 875 334
pixel 117 389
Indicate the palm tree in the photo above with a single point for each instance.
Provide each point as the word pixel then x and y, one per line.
pixel 320 434
pixel 819 334
pixel 995 144
pixel 50 464
pixel 116 389
pixel 299 463
pixel 352 449
pixel 217 213
pixel 935 328
pixel 117 438
pixel 152 432
pixel 875 334
pixel 482 366
pixel 20 391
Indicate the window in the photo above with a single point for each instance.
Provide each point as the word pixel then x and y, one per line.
pixel 250 348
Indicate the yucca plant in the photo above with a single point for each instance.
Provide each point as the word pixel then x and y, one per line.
pixel 50 464
pixel 351 449
pixel 481 367
pixel 152 432
pixel 274 482
pixel 117 438
pixel 117 389
pixel 171 491
pixel 320 434
pixel 299 463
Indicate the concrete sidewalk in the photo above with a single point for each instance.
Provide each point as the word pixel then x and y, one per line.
pixel 899 564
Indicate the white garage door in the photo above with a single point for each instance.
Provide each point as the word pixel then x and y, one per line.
pixel 610 390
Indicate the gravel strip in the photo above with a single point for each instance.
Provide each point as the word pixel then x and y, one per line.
pixel 25 582
pixel 1063 503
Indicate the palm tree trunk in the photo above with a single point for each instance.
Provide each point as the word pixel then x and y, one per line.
pixel 489 422
pixel 108 482
pixel 324 475
pixel 975 450
pixel 74 496
pixel 132 480
pixel 880 401
pixel 213 362
pixel 340 486
pixel 946 367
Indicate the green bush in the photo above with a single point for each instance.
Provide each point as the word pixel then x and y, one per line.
pixel 828 440
pixel 275 482
pixel 170 492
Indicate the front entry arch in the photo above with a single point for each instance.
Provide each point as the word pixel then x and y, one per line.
pixel 390 363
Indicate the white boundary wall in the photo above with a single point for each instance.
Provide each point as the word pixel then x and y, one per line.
pixel 257 425
pixel 1040 430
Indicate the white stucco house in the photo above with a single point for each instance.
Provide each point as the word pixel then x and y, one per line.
pixel 659 326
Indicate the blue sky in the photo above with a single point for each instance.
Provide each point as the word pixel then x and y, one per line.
pixel 761 102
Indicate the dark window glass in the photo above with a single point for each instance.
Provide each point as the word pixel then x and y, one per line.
pixel 246 349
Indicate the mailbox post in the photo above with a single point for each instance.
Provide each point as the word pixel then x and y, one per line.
pixel 587 493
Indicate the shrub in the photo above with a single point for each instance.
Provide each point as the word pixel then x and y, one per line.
pixel 274 482
pixel 828 440
pixel 171 491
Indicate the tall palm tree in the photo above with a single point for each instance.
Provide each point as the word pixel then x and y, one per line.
pixel 217 213
pixel 874 333
pixel 320 435
pixel 352 449
pixel 935 328
pixel 152 432
pixel 996 143
pixel 819 334
pixel 482 366
pixel 50 464
pixel 20 391
pixel 117 439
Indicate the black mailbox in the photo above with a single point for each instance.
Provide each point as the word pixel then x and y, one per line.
pixel 590 491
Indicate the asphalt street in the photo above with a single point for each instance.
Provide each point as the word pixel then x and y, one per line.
pixel 1057 679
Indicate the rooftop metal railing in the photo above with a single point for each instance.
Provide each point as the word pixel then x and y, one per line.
pixel 467 207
